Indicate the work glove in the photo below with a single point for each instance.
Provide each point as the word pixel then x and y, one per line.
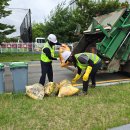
pixel 87 72
pixel 77 77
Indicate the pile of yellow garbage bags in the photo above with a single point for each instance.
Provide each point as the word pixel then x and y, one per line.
pixel 62 89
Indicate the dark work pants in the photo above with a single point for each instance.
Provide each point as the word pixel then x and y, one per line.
pixel 46 69
pixel 92 75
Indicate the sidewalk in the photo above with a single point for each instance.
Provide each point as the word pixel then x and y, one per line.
pixel 123 127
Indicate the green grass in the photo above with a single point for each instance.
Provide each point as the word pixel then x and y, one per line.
pixel 102 108
pixel 14 57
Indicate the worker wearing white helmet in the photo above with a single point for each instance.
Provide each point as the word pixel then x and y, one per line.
pixel 47 56
pixel 52 38
pixel 83 61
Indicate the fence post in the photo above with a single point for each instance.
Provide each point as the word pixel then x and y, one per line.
pixel 27 47
pixel 32 47
pixel 10 47
pixel 0 49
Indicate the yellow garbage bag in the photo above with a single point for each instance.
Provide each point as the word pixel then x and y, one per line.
pixel 51 89
pixel 68 90
pixel 35 91
pixel 64 82
pixel 63 48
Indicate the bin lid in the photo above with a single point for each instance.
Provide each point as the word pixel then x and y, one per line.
pixel 18 64
pixel 1 66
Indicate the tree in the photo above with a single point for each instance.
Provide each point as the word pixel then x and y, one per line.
pixel 87 9
pixel 4 28
pixel 125 4
pixel 60 23
pixel 37 30
pixel 64 22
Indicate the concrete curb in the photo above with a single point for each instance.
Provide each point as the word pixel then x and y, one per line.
pixel 106 83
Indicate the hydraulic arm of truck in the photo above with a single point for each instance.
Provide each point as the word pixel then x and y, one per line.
pixel 116 39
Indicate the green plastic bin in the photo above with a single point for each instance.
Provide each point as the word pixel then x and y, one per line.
pixel 2 83
pixel 19 75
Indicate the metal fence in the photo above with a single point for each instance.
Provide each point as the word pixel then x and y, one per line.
pixel 24 47
pixel 16 47
pixel 26 29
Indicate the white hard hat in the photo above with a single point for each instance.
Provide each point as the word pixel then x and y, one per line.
pixel 66 55
pixel 52 38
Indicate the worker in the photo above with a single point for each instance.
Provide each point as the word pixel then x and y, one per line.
pixel 47 56
pixel 89 62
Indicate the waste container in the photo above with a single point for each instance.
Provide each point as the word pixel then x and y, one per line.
pixel 19 75
pixel 2 83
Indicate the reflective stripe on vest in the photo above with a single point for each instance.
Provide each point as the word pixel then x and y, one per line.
pixel 44 58
pixel 90 56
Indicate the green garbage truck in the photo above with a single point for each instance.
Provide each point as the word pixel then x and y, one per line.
pixel 109 37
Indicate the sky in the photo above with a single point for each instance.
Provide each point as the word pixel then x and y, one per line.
pixel 40 9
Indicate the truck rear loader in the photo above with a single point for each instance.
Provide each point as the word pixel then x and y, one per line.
pixel 109 37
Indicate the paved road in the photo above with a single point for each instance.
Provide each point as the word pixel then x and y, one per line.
pixel 34 72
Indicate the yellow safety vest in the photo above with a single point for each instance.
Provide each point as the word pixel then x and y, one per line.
pixel 90 56
pixel 44 58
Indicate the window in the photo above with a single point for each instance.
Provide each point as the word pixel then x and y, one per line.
pixel 40 40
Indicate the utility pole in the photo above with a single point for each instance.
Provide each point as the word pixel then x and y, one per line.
pixel 30 28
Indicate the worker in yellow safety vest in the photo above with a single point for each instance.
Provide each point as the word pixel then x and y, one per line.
pixel 89 62
pixel 47 56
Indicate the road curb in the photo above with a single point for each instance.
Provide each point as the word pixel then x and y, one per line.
pixel 106 83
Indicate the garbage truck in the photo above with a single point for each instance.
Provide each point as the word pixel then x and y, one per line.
pixel 109 37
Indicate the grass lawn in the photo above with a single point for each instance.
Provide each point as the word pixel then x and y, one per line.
pixel 14 57
pixel 102 108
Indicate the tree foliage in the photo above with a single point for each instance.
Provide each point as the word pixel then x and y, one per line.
pixel 38 30
pixel 89 9
pixel 60 23
pixel 64 22
pixel 4 28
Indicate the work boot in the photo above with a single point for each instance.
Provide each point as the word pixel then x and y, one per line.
pixel 82 93
pixel 92 86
